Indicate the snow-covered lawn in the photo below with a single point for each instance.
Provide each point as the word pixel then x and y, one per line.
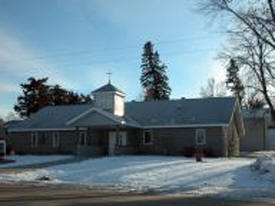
pixel 265 166
pixel 156 173
pixel 21 160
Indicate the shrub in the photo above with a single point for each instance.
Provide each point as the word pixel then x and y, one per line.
pixel 189 151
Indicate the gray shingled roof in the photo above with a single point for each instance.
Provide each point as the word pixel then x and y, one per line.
pixel 257 113
pixel 12 123
pixel 108 88
pixel 52 117
pixel 104 118
pixel 179 112
pixel 153 113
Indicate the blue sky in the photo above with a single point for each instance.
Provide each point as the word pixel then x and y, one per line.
pixel 75 42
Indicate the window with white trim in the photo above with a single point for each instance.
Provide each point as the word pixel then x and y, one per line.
pixel 82 138
pixel 200 136
pixel 56 139
pixel 122 139
pixel 34 139
pixel 147 137
pixel 43 138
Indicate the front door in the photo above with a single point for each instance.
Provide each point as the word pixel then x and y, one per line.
pixel 112 143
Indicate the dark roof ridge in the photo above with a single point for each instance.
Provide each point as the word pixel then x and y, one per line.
pixel 182 99
pixel 68 105
pixel 108 88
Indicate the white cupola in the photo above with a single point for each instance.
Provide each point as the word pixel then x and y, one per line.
pixel 109 98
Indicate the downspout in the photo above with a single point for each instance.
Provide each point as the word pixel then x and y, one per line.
pixel 265 131
pixel 117 138
pixel 77 140
pixel 225 141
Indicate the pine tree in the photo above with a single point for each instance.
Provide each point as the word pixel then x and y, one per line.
pixel 2 128
pixel 35 96
pixel 58 95
pixel 38 94
pixel 154 79
pixel 233 82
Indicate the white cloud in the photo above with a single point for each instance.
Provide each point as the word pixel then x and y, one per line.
pixel 4 111
pixel 217 71
pixel 5 88
pixel 20 61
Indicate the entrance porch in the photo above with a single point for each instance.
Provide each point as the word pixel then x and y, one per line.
pixel 100 141
pixel 105 134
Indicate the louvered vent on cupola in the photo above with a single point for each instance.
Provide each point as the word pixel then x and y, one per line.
pixel 109 98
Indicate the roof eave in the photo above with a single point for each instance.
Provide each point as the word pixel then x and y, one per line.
pixel 110 92
pixel 185 126
pixel 126 125
pixel 45 129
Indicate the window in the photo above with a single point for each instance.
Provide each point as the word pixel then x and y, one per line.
pixel 200 137
pixel 82 138
pixel 43 138
pixel 34 139
pixel 2 147
pixel 147 137
pixel 122 139
pixel 56 139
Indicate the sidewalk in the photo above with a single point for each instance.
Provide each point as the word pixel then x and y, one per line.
pixel 47 164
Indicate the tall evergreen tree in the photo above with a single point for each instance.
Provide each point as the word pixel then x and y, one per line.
pixel 233 81
pixel 58 95
pixel 153 79
pixel 2 129
pixel 35 96
pixel 38 94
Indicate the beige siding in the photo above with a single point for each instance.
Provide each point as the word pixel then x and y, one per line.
pixel 110 101
pixel 104 100
pixel 132 143
pixel 98 140
pixel 165 141
pixel 21 142
pixel 176 141
pixel 118 105
pixel 254 138
pixel 233 139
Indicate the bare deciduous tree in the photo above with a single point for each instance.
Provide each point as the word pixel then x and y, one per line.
pixel 213 89
pixel 251 29
pixel 257 16
pixel 256 60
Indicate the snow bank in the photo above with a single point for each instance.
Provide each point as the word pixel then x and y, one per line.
pixel 265 166
pixel 21 160
pixel 154 173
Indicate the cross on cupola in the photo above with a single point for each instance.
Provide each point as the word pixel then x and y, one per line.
pixel 109 77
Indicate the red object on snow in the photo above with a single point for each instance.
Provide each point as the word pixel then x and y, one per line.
pixel 199 155
pixel 12 152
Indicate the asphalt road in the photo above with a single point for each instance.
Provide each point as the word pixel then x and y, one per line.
pixel 18 195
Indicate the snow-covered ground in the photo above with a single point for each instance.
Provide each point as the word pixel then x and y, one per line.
pixel 265 166
pixel 157 173
pixel 21 160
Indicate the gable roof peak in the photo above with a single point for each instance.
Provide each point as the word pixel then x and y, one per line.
pixel 108 88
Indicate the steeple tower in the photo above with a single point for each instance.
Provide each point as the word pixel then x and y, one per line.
pixel 110 98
